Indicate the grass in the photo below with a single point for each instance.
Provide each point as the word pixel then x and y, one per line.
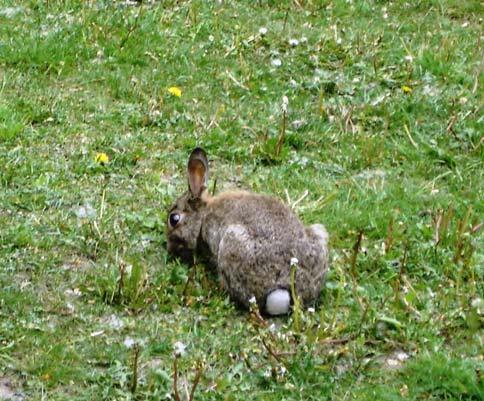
pixel 383 130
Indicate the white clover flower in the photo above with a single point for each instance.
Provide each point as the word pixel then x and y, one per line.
pixel 179 348
pixel 294 261
pixel 408 58
pixel 293 42
pixel 252 300
pixel 311 310
pixel 276 62
pixel 263 31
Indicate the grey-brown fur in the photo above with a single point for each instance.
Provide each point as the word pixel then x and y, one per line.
pixel 250 238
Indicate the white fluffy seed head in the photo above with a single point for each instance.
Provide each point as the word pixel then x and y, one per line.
pixel 278 302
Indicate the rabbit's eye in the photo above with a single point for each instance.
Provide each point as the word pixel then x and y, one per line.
pixel 174 219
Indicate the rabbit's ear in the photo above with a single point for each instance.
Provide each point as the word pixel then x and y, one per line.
pixel 197 172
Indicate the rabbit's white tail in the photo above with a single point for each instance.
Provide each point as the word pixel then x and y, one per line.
pixel 278 302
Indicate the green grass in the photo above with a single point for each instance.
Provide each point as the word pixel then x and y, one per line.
pixel 83 267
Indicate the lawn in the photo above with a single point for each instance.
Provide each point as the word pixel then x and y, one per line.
pixel 100 105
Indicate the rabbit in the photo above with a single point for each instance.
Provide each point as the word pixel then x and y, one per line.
pixel 251 239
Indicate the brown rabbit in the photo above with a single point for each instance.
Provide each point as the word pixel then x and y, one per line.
pixel 251 239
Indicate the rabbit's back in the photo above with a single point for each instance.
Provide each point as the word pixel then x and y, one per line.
pixel 253 238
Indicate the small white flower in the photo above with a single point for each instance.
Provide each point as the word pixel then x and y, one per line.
pixel 402 356
pixel 252 300
pixel 263 31
pixel 478 304
pixel 76 292
pixel 129 342
pixel 179 348
pixel 293 42
pixel 294 261
pixel 408 58
pixel 293 83
pixel 86 212
pixel 282 370
pixel 465 24
pixel 304 39
pixel 276 62
pixel 311 310
pixel 211 38
pixel 115 322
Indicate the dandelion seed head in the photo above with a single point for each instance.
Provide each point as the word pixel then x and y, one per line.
pixel 179 348
pixel 285 102
pixel 129 342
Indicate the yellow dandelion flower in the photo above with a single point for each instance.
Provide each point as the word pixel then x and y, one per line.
pixel 175 91
pixel 102 158
pixel 406 89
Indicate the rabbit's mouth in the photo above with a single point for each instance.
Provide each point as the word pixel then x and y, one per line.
pixel 178 247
